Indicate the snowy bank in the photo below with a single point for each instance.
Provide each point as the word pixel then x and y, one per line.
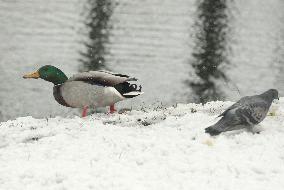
pixel 164 148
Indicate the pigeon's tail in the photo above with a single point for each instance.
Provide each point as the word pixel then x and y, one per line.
pixel 217 128
pixel 212 131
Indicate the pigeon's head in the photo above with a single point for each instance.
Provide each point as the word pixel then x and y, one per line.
pixel 272 94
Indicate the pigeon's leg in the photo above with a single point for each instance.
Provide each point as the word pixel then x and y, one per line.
pixel 112 109
pixel 252 130
pixel 84 112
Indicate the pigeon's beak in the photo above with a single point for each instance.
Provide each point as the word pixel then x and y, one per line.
pixel 34 75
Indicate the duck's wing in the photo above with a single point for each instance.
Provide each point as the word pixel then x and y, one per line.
pixel 104 78
pixel 114 74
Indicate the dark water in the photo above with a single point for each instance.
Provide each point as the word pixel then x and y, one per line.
pixel 182 51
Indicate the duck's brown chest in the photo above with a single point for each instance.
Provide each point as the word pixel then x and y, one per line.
pixel 58 97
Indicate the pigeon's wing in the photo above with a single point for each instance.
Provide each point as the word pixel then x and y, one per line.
pixel 104 78
pixel 230 121
pixel 252 113
pixel 235 105
pixel 228 109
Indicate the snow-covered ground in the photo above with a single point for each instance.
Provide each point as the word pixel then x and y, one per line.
pixel 161 148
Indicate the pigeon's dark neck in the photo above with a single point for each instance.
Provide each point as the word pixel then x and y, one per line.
pixel 267 96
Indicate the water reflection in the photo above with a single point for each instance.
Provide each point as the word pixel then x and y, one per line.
pixel 209 51
pixel 147 41
pixel 279 57
pixel 97 22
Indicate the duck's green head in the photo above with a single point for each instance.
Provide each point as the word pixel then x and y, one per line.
pixel 48 73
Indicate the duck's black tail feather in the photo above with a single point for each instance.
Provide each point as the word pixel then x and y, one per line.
pixel 128 90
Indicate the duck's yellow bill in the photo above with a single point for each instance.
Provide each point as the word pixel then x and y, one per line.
pixel 34 75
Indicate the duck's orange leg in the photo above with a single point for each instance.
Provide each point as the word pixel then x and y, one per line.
pixel 85 110
pixel 112 109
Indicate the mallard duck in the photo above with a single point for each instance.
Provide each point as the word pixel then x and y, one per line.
pixel 86 89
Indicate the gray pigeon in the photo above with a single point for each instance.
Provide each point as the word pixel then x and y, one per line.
pixel 247 112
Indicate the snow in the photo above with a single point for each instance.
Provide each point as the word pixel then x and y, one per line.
pixel 161 148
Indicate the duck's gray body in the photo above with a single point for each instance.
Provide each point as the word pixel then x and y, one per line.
pixel 95 88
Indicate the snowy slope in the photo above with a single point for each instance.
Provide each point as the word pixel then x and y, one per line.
pixel 164 148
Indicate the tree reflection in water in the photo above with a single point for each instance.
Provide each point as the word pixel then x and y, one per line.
pixel 210 48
